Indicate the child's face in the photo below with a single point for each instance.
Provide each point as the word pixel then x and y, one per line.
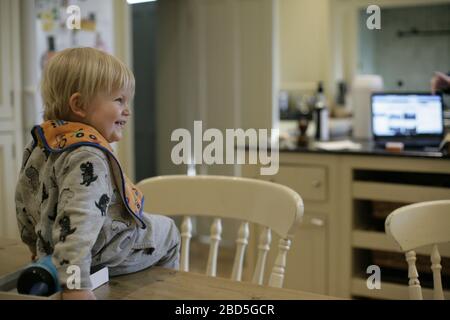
pixel 108 114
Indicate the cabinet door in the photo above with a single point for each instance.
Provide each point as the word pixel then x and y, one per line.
pixel 10 113
pixel 306 263
pixel 310 182
pixel 307 260
pixel 5 61
pixel 8 225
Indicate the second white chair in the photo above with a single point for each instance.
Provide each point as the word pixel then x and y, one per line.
pixel 417 225
pixel 276 207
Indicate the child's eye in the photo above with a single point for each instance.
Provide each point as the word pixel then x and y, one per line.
pixel 120 100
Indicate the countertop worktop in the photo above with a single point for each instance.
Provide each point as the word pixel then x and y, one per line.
pixel 367 149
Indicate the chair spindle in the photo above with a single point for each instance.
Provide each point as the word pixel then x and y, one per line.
pixel 263 248
pixel 216 232
pixel 186 235
pixel 241 245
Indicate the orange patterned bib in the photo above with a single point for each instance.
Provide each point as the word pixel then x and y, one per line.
pixel 59 136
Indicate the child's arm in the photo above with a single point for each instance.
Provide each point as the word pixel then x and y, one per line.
pixel 84 193
pixel 27 234
pixel 26 229
pixel 24 218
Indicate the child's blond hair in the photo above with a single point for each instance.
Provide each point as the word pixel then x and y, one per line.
pixel 87 71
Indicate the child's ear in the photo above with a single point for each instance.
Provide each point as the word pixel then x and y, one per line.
pixel 76 105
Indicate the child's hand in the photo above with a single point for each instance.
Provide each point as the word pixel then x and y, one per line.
pixel 78 295
pixel 33 253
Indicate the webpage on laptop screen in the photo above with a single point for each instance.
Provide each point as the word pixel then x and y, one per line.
pixel 407 115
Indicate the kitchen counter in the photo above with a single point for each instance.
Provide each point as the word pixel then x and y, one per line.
pixel 342 231
pixel 367 149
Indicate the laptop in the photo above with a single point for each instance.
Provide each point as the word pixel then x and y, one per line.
pixel 415 119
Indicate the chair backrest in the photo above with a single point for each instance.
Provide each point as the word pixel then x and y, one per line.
pixel 417 225
pixel 276 207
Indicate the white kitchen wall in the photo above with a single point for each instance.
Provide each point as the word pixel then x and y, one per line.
pixel 304 43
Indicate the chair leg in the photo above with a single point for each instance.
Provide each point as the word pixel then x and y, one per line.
pixel 438 293
pixel 415 291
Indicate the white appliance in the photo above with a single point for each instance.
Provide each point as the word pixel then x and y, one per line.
pixel 362 88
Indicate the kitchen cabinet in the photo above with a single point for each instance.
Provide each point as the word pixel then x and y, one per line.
pixel 342 232
pixel 312 252
pixel 11 135
pixel 8 225
pixel 368 183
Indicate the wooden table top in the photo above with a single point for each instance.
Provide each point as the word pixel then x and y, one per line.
pixel 164 284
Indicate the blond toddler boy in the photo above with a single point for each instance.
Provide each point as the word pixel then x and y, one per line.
pixel 73 201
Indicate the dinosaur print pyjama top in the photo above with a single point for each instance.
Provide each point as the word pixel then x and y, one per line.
pixel 68 206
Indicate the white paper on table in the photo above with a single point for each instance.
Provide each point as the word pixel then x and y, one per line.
pixel 99 278
pixel 338 145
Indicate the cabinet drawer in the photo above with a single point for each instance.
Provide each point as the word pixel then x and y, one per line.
pixel 309 182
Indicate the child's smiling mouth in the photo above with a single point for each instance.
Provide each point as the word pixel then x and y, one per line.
pixel 121 124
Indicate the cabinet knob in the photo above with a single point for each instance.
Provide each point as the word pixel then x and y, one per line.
pixel 316 183
pixel 317 222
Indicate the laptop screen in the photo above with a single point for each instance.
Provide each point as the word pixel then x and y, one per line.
pixel 407 115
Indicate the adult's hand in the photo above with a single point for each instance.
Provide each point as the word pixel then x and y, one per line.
pixel 440 81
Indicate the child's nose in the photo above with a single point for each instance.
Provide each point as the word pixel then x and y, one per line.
pixel 126 112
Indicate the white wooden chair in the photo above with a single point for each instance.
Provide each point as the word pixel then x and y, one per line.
pixel 276 207
pixel 417 225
